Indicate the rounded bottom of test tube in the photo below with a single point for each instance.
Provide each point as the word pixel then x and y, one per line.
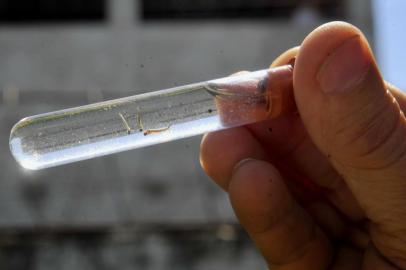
pixel 26 161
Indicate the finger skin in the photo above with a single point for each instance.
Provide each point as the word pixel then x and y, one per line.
pixel 218 150
pixel 287 139
pixel 286 57
pixel 283 232
pixel 328 219
pixel 399 96
pixel 373 260
pixel 221 151
pixel 298 146
pixel 347 258
pixel 282 138
pixel 288 142
pixel 361 128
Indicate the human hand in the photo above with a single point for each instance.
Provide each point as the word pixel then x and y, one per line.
pixel 324 188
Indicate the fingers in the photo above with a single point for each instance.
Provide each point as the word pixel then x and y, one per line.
pixel 221 151
pixel 357 124
pixel 374 260
pixel 328 219
pixel 288 141
pixel 286 57
pixel 347 258
pixel 283 232
pixel 399 95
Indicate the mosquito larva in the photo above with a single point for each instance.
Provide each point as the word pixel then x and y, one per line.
pixel 139 122
pixel 155 130
pixel 126 125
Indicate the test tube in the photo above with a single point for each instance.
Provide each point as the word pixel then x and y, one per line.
pixel 99 129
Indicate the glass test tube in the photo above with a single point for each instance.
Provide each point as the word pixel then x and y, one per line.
pixel 104 128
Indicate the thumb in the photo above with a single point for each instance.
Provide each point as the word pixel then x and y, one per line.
pixel 358 125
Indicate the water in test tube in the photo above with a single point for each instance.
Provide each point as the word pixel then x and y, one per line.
pixel 104 128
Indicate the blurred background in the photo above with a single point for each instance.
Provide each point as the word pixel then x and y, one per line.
pixel 151 208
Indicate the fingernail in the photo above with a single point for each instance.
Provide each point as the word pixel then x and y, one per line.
pixel 241 163
pixel 346 67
